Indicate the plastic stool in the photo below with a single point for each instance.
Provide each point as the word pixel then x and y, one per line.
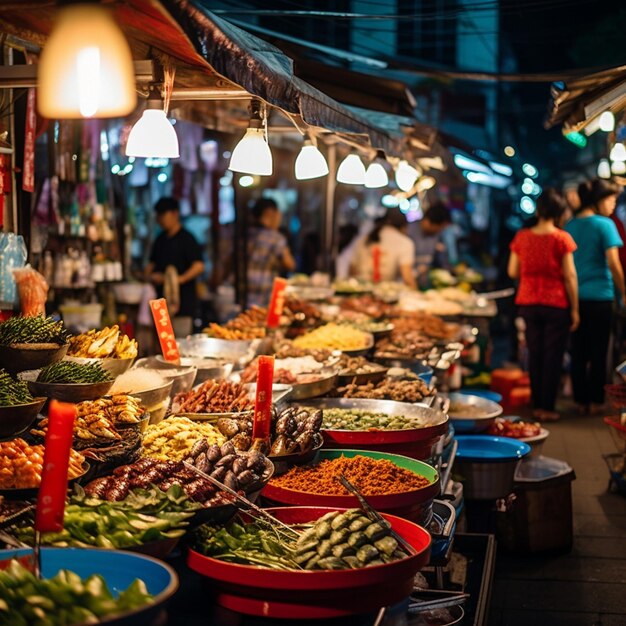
pixel 503 381
pixel 520 396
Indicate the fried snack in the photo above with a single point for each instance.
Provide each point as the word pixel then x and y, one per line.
pixel 21 464
pixel 334 337
pixel 247 325
pixel 106 343
pixel 173 438
pixel 214 396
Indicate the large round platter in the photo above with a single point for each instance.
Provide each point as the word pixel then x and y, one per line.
pixel 21 357
pixel 309 292
pixel 119 569
pixel 417 443
pixel 473 423
pixel 16 419
pixel 315 594
pixel 414 505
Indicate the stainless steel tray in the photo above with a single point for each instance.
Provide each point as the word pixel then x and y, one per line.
pixel 427 415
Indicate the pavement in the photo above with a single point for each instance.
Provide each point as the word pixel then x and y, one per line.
pixel 585 587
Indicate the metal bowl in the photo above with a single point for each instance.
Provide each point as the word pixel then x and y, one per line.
pixel 155 401
pixel 183 377
pixel 201 346
pixel 16 419
pixel 65 392
pixel 316 388
pixel 470 423
pixel 206 368
pixel 22 357
pixel 115 367
pixel 309 292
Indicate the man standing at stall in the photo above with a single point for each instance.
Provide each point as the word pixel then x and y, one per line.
pixel 176 256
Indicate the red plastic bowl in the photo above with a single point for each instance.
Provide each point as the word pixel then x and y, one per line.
pixel 415 505
pixel 416 443
pixel 315 594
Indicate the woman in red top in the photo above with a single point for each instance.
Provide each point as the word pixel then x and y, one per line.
pixel 542 258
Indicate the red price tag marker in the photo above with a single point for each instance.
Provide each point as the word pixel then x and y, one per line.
pixel 56 460
pixel 277 302
pixel 376 254
pixel 165 331
pixel 263 403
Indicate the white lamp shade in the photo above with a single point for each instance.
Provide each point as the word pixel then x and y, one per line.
pixel 604 169
pixel 618 167
pixel 153 136
pixel 351 171
pixel 252 155
pixel 607 122
pixel 618 152
pixel 310 163
pixel 376 176
pixel 86 68
pixel 406 175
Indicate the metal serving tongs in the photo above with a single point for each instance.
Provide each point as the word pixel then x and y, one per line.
pixel 441 600
pixel 249 505
pixel 375 516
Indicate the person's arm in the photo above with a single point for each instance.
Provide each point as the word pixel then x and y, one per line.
pixel 513 268
pixel 612 258
pixel 287 260
pixel 196 268
pixel 406 271
pixel 156 278
pixel 571 287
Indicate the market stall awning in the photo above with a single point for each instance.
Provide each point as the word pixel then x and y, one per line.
pixel 206 49
pixel 577 101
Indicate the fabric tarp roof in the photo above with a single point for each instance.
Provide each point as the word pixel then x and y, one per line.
pixel 210 45
pixel 569 99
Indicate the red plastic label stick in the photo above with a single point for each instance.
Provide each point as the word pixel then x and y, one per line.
pixel 165 331
pixel 277 302
pixel 263 404
pixel 56 460
pixel 376 253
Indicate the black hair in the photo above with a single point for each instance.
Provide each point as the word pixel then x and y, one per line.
pixel 593 191
pixel 165 204
pixel 551 205
pixel 394 217
pixel 261 205
pixel 438 213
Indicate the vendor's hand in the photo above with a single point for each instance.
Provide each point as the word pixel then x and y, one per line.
pixel 575 321
pixel 158 278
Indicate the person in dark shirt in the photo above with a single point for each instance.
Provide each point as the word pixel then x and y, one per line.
pixel 177 247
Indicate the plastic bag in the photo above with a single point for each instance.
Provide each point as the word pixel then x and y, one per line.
pixel 12 255
pixel 33 290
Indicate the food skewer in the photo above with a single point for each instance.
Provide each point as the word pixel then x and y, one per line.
pixel 375 516
pixel 241 499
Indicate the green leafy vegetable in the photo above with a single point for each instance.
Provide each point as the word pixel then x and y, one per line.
pixel 13 392
pixel 37 329
pixel 71 372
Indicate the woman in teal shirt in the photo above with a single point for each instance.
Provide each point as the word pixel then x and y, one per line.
pixel 599 275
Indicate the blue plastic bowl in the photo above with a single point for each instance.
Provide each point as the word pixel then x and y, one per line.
pixel 483 393
pixel 490 449
pixel 119 569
